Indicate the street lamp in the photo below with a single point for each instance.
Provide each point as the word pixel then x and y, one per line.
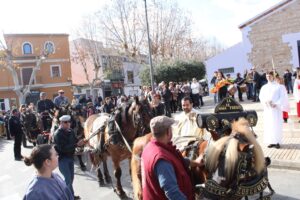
pixel 149 46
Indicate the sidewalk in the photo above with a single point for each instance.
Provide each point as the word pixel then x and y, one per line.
pixel 288 156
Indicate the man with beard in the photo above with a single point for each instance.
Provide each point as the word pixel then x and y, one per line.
pixel 187 125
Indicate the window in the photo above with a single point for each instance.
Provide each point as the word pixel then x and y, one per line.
pixel 130 77
pixel 87 93
pixel 27 48
pixel 228 70
pixel 26 74
pixel 49 47
pixel 2 104
pixel 55 71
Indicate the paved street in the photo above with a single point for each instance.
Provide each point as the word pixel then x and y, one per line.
pixel 15 176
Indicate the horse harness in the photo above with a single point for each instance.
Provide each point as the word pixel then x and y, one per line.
pixel 246 182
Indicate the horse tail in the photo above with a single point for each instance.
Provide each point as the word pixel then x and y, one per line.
pixel 213 153
pixel 242 126
pixel 231 158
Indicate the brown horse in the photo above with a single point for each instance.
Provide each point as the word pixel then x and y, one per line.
pixel 236 165
pixel 135 119
pixel 194 149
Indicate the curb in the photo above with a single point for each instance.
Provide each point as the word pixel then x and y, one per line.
pixel 288 165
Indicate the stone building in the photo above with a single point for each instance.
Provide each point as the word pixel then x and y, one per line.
pixel 270 37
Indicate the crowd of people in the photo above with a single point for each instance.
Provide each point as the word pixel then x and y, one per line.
pixel 249 83
pixel 165 171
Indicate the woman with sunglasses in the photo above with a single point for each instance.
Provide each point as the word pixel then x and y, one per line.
pixel 46 184
pixel 65 144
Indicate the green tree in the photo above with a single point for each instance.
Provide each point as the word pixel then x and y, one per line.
pixel 145 75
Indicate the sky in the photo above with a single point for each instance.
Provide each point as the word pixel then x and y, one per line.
pixel 211 18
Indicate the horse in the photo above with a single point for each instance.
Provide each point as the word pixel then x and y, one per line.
pixel 77 124
pixel 30 127
pixel 132 122
pixel 236 165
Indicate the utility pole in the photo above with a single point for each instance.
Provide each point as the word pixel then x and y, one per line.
pixel 149 45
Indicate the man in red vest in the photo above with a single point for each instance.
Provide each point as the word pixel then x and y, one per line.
pixel 164 170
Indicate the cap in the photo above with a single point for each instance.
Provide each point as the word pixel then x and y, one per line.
pixel 65 118
pixel 60 91
pixel 161 123
pixel 89 104
pixel 42 94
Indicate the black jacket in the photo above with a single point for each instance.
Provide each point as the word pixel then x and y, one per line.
pixel 65 142
pixel 166 95
pixel 43 105
pixel 108 108
pixel 159 110
pixel 15 126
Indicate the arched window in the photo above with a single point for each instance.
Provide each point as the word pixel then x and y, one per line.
pixel 27 48
pixel 49 47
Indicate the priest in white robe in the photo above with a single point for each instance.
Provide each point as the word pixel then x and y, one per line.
pixel 186 130
pixel 271 97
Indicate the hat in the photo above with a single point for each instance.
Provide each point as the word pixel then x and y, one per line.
pixel 160 124
pixel 65 118
pixel 42 94
pixel 60 91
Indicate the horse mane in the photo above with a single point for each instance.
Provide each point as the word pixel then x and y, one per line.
pixel 232 153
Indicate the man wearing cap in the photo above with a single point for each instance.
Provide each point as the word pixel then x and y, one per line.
pixel 65 144
pixel 60 99
pixel 164 170
pixel 15 129
pixel 44 107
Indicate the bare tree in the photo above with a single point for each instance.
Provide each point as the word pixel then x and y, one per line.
pixel 9 61
pixel 124 27
pixel 122 23
pixel 87 51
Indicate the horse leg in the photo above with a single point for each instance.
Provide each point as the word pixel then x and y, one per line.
pixel 100 177
pixel 82 165
pixel 118 173
pixel 106 172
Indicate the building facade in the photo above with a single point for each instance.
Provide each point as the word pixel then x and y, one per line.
pixel 54 73
pixel 270 40
pixel 118 74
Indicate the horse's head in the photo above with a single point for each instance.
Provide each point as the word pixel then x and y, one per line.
pixel 141 112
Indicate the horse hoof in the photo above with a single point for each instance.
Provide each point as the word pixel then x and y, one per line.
pixel 101 183
pixel 122 194
pixel 83 168
pixel 108 180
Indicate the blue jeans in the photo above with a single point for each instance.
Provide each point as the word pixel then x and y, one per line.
pixel 289 87
pixel 66 167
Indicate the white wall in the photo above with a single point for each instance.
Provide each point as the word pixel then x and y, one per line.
pixel 291 39
pixel 131 90
pixel 135 67
pixel 234 56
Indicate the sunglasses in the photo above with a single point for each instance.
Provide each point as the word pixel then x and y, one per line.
pixel 66 122
pixel 61 93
